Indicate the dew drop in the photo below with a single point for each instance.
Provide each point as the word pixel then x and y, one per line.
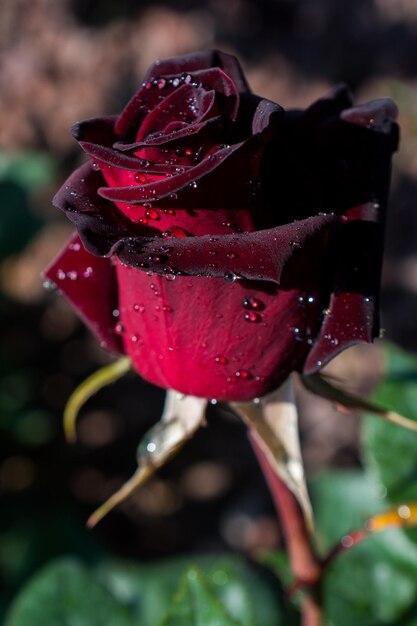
pixel 152 214
pixel 75 246
pixel 253 304
pixel 49 284
pixel 61 275
pixel 119 329
pixel 115 312
pixel 167 309
pixel 156 258
pixel 95 166
pixel 253 317
pixel 230 277
pixel 161 83
pixel 138 308
pixel 178 232
pixel 88 272
pixel 243 374
pixel 134 339
pixel 221 360
pixel 73 275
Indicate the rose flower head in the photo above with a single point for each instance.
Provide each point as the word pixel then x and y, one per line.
pixel 234 241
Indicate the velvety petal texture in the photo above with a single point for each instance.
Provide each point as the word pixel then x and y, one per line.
pixel 237 241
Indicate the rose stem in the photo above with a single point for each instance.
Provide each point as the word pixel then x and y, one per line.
pixel 305 565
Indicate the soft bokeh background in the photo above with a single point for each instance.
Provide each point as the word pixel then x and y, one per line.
pixel 68 60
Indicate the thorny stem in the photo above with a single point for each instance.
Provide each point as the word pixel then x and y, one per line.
pixel 305 565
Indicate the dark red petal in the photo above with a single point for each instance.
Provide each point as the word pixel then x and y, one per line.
pixel 353 312
pixel 199 61
pixel 98 130
pixel 261 255
pixel 145 100
pixel 159 189
pixel 377 115
pixel 176 330
pixel 174 107
pixel 89 283
pixel 350 320
pixel 109 156
pixel 266 111
pixel 179 133
pixel 99 223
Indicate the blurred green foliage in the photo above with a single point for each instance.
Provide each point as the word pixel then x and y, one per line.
pixel 21 176
pixel 222 591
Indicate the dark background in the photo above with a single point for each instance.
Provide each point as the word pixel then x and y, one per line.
pixel 72 59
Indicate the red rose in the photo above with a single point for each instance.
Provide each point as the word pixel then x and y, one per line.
pixel 226 243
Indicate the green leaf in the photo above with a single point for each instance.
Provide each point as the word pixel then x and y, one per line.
pixel 27 169
pixel 244 593
pixel 390 452
pixel 195 604
pixel 65 594
pixel 375 582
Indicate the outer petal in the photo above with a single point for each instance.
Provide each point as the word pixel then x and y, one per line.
pixel 261 255
pixel 89 283
pixel 98 222
pixel 356 256
pixel 197 336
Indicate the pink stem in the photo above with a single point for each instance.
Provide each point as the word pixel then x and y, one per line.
pixel 305 565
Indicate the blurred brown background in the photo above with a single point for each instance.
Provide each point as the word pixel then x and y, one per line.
pixel 65 60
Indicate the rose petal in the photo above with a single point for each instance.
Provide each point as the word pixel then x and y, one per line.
pixel 377 114
pixel 350 320
pixel 261 255
pixel 98 222
pixel 145 100
pixel 158 189
pixel 89 283
pixel 99 130
pixel 174 107
pixel 200 60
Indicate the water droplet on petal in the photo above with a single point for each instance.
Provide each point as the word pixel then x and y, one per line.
pixel 119 329
pixel 95 166
pixel 243 374
pixel 49 284
pixel 178 232
pixel 152 214
pixel 61 275
pixel 253 317
pixel 221 360
pixel 253 303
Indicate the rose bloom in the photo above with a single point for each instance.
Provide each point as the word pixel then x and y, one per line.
pixel 224 242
